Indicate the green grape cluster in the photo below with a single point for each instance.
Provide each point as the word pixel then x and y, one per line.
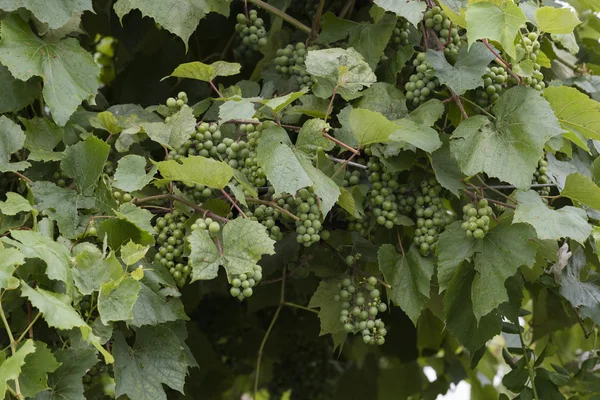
pixel 170 232
pixel 477 219
pixel 104 57
pixel 289 63
pixel 267 216
pixel 422 83
pixel 176 104
pixel 359 224
pixel 529 49
pixel 429 216
pixel 95 376
pixel 361 303
pixel 381 196
pixel 446 32
pixel 406 201
pixel 540 177
pixel 61 179
pixel 400 34
pixel 299 269
pixel 252 36
pixel 203 142
pixel 311 220
pixel 122 197
pixel 242 284
pixel 495 81
pixel 351 178
pixel 250 168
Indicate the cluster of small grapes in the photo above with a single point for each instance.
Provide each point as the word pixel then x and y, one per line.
pixel 170 239
pixel 447 34
pixel 242 284
pixel 351 178
pixel 289 63
pixel 104 57
pixel 399 34
pixel 381 196
pixel 94 376
pixel 61 179
pixel 252 36
pixel 250 168
pixel 122 197
pixel 495 81
pixel 204 142
pixel 267 216
pixel 360 305
pixel 311 220
pixel 529 49
pixel 422 83
pixel 299 268
pixel 540 177
pixel 429 216
pixel 477 219
pixel 359 224
pixel 176 104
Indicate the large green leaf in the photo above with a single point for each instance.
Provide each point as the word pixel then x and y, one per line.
pixel 412 10
pixel 409 277
pixel 344 71
pixel 495 22
pixel 117 298
pixel 310 138
pixel 156 358
pixel 206 72
pixel 568 221
pixel 446 168
pixel 69 72
pixel 12 140
pixel 556 20
pixel 290 170
pixel 152 306
pixel 55 14
pixel 452 250
pixel 84 162
pixel 9 259
pixel 16 94
pixel 92 270
pixel 34 374
pixel 510 146
pixel 12 366
pixel 180 18
pixel 131 173
pixel 329 310
pixel 577 290
pixel 384 98
pixel 67 381
pixel 42 136
pixel 197 170
pixel 244 243
pixel 581 188
pixel 467 71
pixel 14 204
pixel 575 111
pixel 174 132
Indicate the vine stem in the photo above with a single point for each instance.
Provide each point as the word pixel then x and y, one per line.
pixel 20 175
pixel 268 332
pixel 330 106
pixel 13 347
pixel 317 22
pixel 181 200
pixel 274 205
pixel 459 104
pixel 351 163
pixel 529 366
pixel 278 13
pixel 492 200
pixel 478 106
pixel 29 328
pixel 485 185
pixel 251 122
pixel 234 203
pixel 285 303
pixel 215 89
pixel 502 60
pixel 341 168
pixel 349 5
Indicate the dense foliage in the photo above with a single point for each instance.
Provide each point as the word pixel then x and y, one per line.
pixel 316 199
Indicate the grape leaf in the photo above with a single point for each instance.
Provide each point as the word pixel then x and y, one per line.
pixel 55 14
pixel 133 252
pixel 131 173
pixel 9 259
pixel 344 71
pixel 62 205
pixel 310 137
pixel 279 103
pixel 384 98
pixel 34 374
pixel 153 307
pixel 460 318
pixel 577 291
pixel 174 132
pixel 329 310
pixel 92 269
pixel 206 72
pixel 16 94
pixel 509 147
pixel 409 277
pixel 68 71
pixel 575 111
pixel 290 170
pixel 415 134
pixel 556 20
pixel 490 21
pixel 237 108
pixel 117 298
pixel 14 204
pixel 42 135
pixel 67 381
pixel 581 188
pixel 568 221
pixel 180 18
pixel 452 250
pixel 467 71
pixel 446 169
pixel 244 243
pixel 412 10
pixel 156 358
pixel 11 368
pixel 12 140
pixel 84 162
pixel 197 170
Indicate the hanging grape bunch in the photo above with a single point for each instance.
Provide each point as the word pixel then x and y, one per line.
pixel 289 63
pixel 381 195
pixel 267 216
pixel 399 38
pixel 310 221
pixel 105 58
pixel 540 177
pixel 446 32
pixel 250 167
pixel 361 303
pixel 242 284
pixel 422 83
pixel 429 216
pixel 351 178
pixel 176 104
pixel 494 83
pixel 170 240
pixel 477 219
pixel 528 49
pixel 252 36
